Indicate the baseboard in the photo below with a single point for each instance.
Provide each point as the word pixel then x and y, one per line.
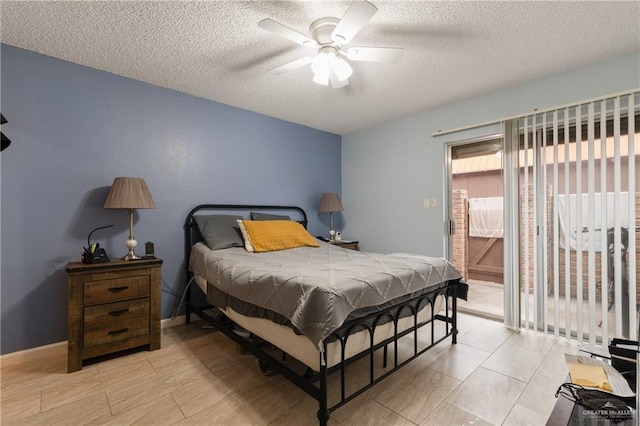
pixel 172 322
pixel 33 354
pixel 60 348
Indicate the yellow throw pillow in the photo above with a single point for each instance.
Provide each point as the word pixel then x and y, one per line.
pixel 271 235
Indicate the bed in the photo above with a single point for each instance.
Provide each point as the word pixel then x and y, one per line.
pixel 311 310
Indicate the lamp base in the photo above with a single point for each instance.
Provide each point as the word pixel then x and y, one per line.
pixel 131 245
pixel 131 256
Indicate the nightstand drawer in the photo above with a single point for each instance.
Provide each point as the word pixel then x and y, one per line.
pixel 112 332
pixel 115 289
pixel 117 311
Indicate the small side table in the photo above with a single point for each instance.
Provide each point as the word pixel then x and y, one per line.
pixel 112 306
pixel 568 413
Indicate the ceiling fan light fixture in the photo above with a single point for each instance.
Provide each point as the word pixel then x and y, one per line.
pixel 335 82
pixel 342 69
pixel 327 67
pixel 331 65
pixel 320 63
pixel 321 78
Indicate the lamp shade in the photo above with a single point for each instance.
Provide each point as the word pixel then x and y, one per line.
pixel 330 202
pixel 129 193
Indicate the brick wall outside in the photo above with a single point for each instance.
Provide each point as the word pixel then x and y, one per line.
pixel 585 265
pixel 461 255
pixel 526 240
pixel 573 277
pixel 460 201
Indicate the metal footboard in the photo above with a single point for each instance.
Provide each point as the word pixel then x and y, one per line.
pixel 315 384
pixel 394 313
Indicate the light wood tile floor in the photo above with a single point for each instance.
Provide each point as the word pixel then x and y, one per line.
pixel 486 299
pixel 492 376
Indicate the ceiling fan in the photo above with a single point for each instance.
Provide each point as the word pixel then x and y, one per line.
pixel 329 37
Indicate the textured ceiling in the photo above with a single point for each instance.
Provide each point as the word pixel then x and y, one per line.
pixel 215 50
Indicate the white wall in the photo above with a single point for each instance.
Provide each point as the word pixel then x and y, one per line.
pixel 388 170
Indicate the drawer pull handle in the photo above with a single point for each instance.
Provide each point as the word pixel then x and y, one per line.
pixel 116 332
pixel 118 313
pixel 117 289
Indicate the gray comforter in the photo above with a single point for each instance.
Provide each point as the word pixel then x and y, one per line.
pixel 317 288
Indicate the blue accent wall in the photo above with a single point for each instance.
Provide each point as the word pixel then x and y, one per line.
pixel 74 129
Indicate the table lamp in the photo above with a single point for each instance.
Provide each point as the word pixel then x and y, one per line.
pixel 330 202
pixel 129 193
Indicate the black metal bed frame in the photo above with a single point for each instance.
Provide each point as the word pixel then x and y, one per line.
pixel 315 383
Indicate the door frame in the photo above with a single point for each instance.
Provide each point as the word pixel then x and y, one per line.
pixel 511 286
pixel 448 185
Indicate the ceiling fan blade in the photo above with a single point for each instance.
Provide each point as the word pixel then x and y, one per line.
pixel 286 32
pixel 291 65
pixel 374 54
pixel 353 20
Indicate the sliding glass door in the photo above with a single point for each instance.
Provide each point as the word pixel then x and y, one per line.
pixel 475 189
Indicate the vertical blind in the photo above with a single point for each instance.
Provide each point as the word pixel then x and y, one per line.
pixel 578 213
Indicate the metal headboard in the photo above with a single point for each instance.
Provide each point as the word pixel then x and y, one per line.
pixel 192 234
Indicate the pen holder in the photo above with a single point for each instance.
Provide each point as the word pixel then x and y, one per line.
pixel 98 256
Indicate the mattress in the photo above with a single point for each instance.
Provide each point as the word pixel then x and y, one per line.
pixel 316 289
pixel 301 348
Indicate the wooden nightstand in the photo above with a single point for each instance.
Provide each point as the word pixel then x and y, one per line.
pixel 112 306
pixel 351 245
